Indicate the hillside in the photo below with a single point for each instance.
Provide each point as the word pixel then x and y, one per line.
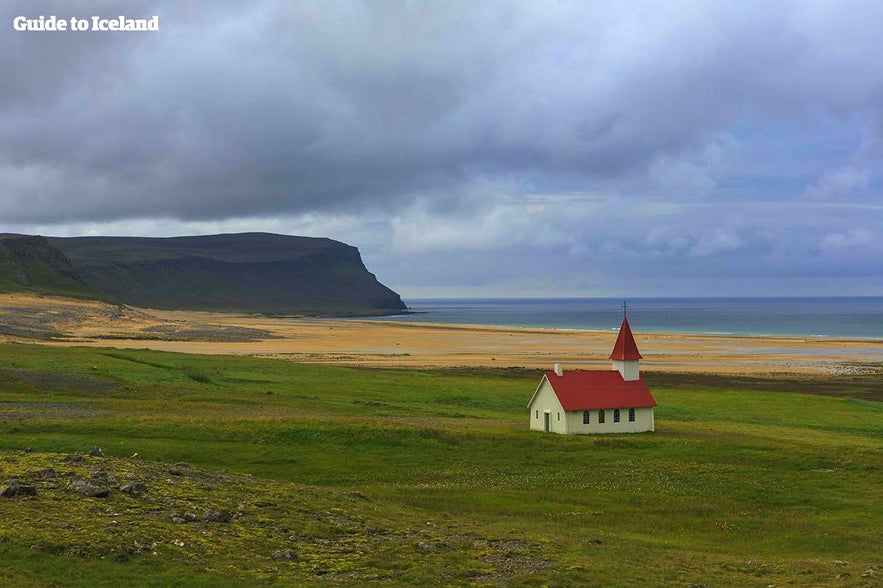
pixel 249 272
pixel 31 263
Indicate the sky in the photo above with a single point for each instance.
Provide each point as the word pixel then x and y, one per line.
pixel 469 149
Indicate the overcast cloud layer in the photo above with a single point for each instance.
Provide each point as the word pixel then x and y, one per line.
pixel 469 148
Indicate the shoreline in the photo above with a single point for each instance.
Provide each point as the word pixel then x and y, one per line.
pixel 363 342
pixel 383 319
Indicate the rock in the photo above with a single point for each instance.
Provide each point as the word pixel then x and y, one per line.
pixel 182 464
pixel 14 488
pixel 869 573
pixel 697 586
pixel 96 452
pixel 288 554
pixel 216 516
pixel 45 474
pixel 134 488
pixel 73 458
pixel 93 488
pixel 184 517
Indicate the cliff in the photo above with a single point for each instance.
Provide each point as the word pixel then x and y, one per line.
pixel 248 272
pixel 32 264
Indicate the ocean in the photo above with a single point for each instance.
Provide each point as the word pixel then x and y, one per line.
pixel 860 317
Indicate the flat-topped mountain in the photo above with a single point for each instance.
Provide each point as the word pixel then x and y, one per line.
pixel 248 272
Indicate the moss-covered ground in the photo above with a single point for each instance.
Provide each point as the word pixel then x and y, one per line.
pixel 338 476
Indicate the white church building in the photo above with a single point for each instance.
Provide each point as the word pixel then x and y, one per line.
pixel 599 401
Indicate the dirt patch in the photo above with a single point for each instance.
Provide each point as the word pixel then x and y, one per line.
pixel 56 381
pixel 865 384
pixel 47 317
pixel 509 558
pixel 20 411
pixel 208 333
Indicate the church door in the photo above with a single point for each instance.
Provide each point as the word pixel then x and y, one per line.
pixel 548 417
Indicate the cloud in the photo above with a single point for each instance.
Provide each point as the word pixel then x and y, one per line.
pixel 481 141
pixel 841 184
pixel 855 237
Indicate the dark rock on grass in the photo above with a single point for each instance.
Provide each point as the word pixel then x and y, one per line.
pixel 104 477
pixel 93 488
pixel 14 488
pixel 134 488
pixel 185 517
pixel 217 516
pixel 46 474
pixel 182 464
pixel 288 554
pixel 73 458
pixel 96 452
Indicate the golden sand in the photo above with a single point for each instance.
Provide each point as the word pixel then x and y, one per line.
pixel 395 344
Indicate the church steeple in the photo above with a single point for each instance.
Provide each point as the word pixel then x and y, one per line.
pixel 625 353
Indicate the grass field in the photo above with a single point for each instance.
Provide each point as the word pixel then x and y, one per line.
pixel 340 476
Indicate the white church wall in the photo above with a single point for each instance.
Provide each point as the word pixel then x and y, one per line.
pixel 644 421
pixel 544 401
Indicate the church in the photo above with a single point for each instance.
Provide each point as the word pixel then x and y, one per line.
pixel 598 401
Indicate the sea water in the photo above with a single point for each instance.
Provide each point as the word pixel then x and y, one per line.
pixel 860 317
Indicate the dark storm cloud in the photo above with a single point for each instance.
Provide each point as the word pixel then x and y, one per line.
pixel 687 139
pixel 236 109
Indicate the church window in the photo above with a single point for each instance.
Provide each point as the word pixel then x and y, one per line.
pixel 559 416
pixel 585 417
pixel 616 416
pixel 538 414
pixel 600 416
pixel 631 415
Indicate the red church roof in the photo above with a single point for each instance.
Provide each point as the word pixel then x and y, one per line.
pixel 625 347
pixel 599 389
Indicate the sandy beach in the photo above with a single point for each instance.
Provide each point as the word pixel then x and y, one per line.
pixel 396 344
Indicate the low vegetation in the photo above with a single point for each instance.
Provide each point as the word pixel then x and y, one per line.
pixel 253 471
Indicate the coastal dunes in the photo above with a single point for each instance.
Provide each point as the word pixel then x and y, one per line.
pixel 387 343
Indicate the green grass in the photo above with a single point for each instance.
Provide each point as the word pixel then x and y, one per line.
pixel 740 485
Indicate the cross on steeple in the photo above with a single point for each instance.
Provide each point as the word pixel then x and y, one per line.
pixel 625 308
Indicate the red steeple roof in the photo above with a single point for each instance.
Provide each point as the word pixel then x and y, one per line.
pixel 625 347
